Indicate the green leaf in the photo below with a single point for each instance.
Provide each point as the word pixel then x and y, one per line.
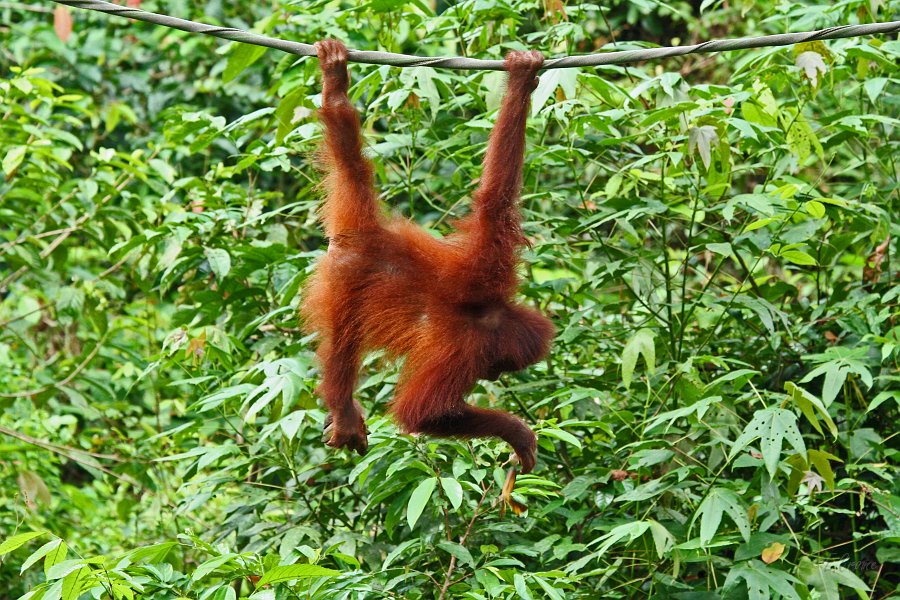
pixel 240 58
pixel 760 223
pixel 763 582
pixel 219 261
pixel 552 592
pixel 290 109
pixel 461 553
pixel 291 572
pixel 560 434
pixel 13 159
pixel 663 540
pixel 810 406
pixel 881 397
pixel 814 209
pixel 698 408
pixel 15 541
pixel 798 257
pixel 396 552
pixel 152 554
pixel 632 531
pixel 702 139
pixel 64 568
pixel 718 502
pixel 418 500
pixel 874 87
pixel 454 491
pixel 164 169
pixel 76 582
pixel 521 587
pixel 771 426
pixel 822 462
pixel 641 344
pixel 826 577
pixel 40 553
pixel 211 565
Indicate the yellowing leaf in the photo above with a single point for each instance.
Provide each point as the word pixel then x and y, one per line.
pixel 772 552
pixel 812 64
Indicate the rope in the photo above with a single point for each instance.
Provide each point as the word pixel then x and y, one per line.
pixel 406 60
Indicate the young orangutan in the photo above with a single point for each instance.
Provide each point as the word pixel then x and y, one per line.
pixel 445 305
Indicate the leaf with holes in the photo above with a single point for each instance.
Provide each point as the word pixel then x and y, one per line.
pixel 812 64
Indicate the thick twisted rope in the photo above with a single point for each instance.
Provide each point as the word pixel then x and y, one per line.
pixel 406 60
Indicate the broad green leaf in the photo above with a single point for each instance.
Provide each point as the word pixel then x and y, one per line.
pixel 698 408
pixel 290 111
pixel 814 209
pixel 207 567
pixel 219 262
pixel 10 544
pixel 763 582
pixel 641 344
pixel 822 462
pixel 771 426
pixel 801 138
pixel 12 160
pixel 240 58
pixel 760 223
pixel 292 572
pixel 151 554
pixel 418 500
pixel 827 577
pixel 461 553
pixel 632 531
pixel 718 502
pixel 521 587
pixel 811 407
pixel 453 490
pixel 663 540
pixel 798 257
pixel 40 553
pixel 561 434
pixel 874 86
pixel 396 552
pixel 65 568
pixel 75 583
pixel 552 592
pixel 702 139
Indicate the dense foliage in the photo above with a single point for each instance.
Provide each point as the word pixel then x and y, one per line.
pixel 714 237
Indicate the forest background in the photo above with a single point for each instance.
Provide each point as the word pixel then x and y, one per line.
pixel 714 237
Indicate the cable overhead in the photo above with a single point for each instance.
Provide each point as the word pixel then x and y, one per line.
pixel 456 62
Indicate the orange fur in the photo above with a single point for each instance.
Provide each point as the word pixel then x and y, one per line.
pixel 447 306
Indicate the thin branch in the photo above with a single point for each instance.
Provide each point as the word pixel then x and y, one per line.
pixel 462 542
